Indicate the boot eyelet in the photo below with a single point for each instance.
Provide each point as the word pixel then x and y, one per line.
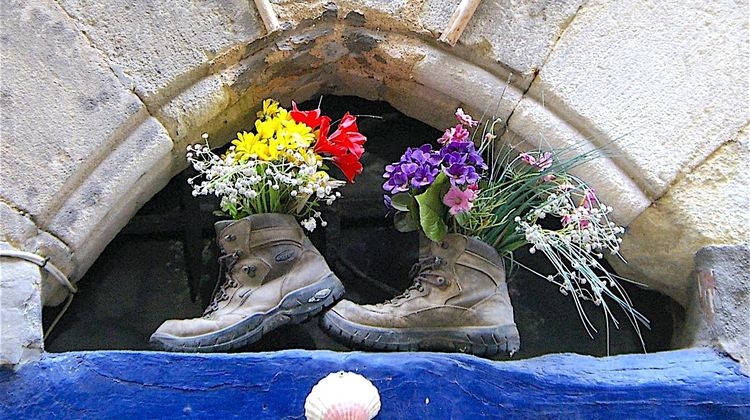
pixel 230 237
pixel 249 270
pixel 239 253
pixel 441 281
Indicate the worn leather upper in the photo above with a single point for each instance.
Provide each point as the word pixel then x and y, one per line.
pixel 266 257
pixel 461 283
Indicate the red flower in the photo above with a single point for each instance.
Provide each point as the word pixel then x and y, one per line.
pixel 346 138
pixel 345 145
pixel 349 165
pixel 310 118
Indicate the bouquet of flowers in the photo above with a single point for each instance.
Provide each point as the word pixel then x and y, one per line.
pixel 280 167
pixel 501 197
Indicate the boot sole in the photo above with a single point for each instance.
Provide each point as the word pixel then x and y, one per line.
pixel 479 341
pixel 295 308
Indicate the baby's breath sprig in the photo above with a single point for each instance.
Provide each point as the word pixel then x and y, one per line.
pixel 278 167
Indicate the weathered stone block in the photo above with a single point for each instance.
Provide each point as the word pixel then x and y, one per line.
pixel 478 90
pixel 162 47
pixel 706 207
pixel 63 108
pixel 423 103
pixel 21 233
pixel 113 192
pixel 516 34
pixel 669 79
pixel 20 311
pixel 720 311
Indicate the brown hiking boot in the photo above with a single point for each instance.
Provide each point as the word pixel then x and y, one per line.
pixel 458 302
pixel 271 275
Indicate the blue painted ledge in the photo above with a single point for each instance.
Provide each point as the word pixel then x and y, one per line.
pixel 682 384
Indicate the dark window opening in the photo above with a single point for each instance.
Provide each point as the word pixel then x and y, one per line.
pixel 163 266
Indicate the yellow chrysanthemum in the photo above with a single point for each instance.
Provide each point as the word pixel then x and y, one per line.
pixel 278 136
pixel 298 134
pixel 270 108
pixel 264 151
pixel 267 128
pixel 320 176
pixel 243 145
pixel 283 115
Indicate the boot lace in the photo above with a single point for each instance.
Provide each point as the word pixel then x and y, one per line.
pixel 422 272
pixel 224 283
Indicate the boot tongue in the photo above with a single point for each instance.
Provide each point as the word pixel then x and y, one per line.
pixel 220 225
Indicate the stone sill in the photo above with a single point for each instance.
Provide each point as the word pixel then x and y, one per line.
pixel 104 384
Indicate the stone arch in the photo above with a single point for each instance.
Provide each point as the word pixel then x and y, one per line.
pixel 140 109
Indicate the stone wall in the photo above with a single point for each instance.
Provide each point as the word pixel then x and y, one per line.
pixel 99 99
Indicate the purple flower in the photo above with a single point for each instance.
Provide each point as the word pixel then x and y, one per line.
pixel 408 168
pixel 460 174
pixel 417 168
pixel 424 176
pixel 397 181
pixel 466 150
pixel 461 161
pixel 388 201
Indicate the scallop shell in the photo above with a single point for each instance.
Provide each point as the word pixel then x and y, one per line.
pixel 343 396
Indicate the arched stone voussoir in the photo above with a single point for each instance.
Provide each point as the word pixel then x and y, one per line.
pixel 111 194
pixel 534 126
pixel 420 79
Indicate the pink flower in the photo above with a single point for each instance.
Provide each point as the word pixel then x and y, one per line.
pixel 465 118
pixel 549 177
pixel 457 133
pixel 544 162
pixel 581 214
pixel 459 201
pixel 567 186
pixel 589 198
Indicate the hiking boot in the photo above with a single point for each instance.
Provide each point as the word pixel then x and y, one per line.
pixel 270 275
pixel 458 302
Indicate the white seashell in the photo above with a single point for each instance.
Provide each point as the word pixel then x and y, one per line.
pixel 343 396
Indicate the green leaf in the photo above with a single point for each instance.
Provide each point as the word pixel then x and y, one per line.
pixel 463 219
pixel 402 201
pixel 404 222
pixel 231 210
pixel 431 209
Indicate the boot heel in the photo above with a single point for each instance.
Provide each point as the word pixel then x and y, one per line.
pixel 309 301
pixel 490 341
